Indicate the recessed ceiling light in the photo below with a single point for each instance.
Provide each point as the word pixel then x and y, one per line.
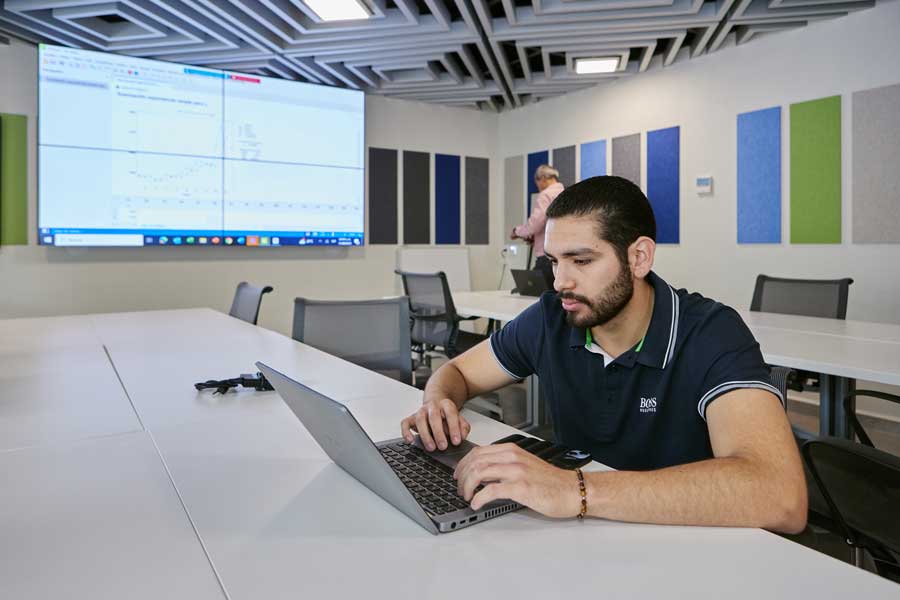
pixel 590 66
pixel 339 10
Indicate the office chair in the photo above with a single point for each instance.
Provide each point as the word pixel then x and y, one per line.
pixel 247 299
pixel 856 427
pixel 370 333
pixel 435 322
pixel 862 488
pixel 803 297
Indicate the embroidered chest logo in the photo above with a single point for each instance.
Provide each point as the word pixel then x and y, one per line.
pixel 648 405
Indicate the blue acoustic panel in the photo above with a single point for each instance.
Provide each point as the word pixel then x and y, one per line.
pixel 535 159
pixel 663 184
pixel 593 159
pixel 759 177
pixel 446 198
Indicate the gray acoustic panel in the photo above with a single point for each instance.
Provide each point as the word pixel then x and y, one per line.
pixel 382 196
pixel 876 156
pixel 626 157
pixel 514 193
pixel 488 54
pixel 478 222
pixel 416 197
pixel 564 161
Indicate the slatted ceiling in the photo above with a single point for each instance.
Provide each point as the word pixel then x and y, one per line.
pixel 485 54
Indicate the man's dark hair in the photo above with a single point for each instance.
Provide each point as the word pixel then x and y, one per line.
pixel 622 210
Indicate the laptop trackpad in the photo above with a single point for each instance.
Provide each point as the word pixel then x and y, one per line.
pixel 452 455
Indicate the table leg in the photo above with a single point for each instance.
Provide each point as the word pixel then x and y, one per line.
pixel 826 404
pixel 842 387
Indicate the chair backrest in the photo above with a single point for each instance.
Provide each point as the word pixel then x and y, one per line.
pixel 247 299
pixel 370 333
pixel 453 261
pixel 862 487
pixel 435 321
pixel 806 297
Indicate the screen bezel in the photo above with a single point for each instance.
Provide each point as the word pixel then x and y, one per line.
pixel 40 234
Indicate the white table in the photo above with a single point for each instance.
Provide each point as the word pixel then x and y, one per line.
pixel 842 351
pixel 277 519
pixel 97 519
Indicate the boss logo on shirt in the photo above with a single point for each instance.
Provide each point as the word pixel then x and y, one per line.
pixel 648 405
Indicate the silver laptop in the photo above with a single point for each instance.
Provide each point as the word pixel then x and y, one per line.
pixel 420 484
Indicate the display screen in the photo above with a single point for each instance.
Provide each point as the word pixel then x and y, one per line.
pixel 136 152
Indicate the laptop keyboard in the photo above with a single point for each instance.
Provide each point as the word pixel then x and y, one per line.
pixel 430 481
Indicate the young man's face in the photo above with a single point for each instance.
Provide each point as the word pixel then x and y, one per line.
pixel 593 285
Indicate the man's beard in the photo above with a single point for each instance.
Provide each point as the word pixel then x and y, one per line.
pixel 607 305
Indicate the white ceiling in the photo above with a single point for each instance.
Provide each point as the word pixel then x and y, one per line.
pixel 489 54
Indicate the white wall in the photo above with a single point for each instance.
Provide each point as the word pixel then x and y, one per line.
pixel 704 96
pixel 41 281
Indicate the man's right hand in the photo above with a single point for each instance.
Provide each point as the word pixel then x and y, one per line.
pixel 438 424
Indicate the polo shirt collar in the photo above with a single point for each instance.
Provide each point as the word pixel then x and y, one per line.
pixel 658 344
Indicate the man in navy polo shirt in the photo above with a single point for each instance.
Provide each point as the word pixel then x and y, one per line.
pixel 667 386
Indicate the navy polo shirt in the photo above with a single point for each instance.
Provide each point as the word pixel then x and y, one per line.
pixel 647 408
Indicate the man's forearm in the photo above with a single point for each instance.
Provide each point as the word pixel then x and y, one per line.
pixel 728 491
pixel 447 382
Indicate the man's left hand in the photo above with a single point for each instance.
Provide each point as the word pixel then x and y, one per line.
pixel 510 473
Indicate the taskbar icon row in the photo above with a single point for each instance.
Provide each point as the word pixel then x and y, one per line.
pixel 249 240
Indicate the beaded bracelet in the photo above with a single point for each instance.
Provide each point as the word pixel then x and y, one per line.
pixel 583 491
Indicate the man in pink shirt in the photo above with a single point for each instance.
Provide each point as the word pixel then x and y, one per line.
pixel 547 180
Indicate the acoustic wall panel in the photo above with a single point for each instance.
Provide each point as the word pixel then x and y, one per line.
pixel 626 157
pixel 13 180
pixel 514 192
pixel 477 204
pixel 416 197
pixel 759 177
pixel 446 198
pixel 593 159
pixel 564 162
pixel 382 196
pixel 816 171
pixel 535 159
pixel 663 190
pixel 876 165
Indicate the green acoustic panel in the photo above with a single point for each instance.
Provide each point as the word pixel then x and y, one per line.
pixel 13 179
pixel 816 171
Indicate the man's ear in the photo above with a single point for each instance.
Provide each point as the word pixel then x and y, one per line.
pixel 640 256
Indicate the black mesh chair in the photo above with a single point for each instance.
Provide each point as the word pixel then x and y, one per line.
pixel 825 298
pixel 856 427
pixel 806 297
pixel 862 488
pixel 435 323
pixel 370 333
pixel 247 299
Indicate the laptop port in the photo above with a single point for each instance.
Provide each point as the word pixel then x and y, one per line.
pixel 473 519
pixel 453 525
